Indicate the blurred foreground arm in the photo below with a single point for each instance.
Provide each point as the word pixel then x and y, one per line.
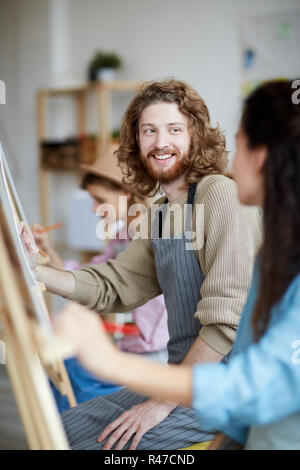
pixel 84 330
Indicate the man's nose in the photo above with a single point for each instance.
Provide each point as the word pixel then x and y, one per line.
pixel 162 139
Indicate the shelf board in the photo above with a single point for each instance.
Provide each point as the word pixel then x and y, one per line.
pixel 61 170
pixel 115 85
pixel 121 85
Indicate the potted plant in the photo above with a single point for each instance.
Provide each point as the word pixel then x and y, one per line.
pixel 115 136
pixel 103 66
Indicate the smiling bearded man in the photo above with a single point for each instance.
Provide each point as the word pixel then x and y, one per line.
pixel 167 141
pixel 164 163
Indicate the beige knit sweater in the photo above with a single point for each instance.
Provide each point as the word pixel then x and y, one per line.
pixel 232 237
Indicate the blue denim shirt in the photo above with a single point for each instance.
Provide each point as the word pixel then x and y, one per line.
pixel 261 383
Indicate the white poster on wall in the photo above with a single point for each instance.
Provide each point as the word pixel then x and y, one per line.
pixel 270 47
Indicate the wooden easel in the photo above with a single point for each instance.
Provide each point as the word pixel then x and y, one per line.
pixel 32 349
pixel 35 400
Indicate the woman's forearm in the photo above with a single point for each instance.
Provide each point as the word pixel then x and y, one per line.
pixel 166 382
pixel 84 330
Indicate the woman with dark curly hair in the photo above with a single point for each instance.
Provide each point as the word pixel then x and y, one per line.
pixel 255 399
pixel 167 140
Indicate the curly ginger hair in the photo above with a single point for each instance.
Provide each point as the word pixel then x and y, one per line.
pixel 207 152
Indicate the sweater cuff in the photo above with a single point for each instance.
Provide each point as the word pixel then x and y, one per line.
pixel 87 287
pixel 215 338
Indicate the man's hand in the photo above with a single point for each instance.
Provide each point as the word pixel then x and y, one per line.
pixel 40 237
pixel 138 420
pixel 43 242
pixel 32 251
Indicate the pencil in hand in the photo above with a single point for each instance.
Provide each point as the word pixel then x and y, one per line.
pixel 50 227
pixel 42 253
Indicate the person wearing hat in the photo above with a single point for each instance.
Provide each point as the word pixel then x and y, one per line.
pixel 103 181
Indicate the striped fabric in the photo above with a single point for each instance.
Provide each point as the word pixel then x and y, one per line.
pixel 84 423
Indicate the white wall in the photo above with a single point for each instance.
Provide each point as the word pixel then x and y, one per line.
pixel 49 42
pixel 24 66
pixel 9 72
pixel 195 40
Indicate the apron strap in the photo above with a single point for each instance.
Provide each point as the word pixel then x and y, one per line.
pixel 190 200
pixel 190 205
pixel 160 222
pixel 192 192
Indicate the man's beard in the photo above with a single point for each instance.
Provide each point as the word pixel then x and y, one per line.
pixel 169 175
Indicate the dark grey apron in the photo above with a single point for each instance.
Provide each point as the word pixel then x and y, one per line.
pixel 180 277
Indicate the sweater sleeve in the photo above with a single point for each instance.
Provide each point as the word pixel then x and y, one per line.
pixel 122 284
pixel 232 237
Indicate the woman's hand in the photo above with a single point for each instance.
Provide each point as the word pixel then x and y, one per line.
pixel 84 330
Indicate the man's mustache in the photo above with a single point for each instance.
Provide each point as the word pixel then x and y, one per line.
pixel 167 150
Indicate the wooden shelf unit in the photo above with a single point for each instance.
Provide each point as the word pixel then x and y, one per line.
pixel 103 92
